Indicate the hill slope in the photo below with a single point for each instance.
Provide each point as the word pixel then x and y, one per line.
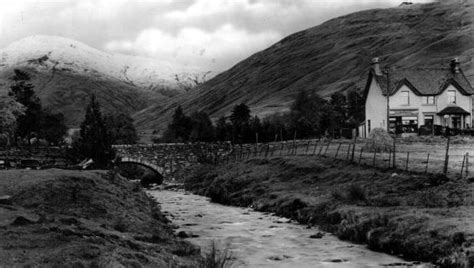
pixel 331 57
pixel 65 72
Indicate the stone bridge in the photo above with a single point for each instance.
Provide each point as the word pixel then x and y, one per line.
pixel 166 159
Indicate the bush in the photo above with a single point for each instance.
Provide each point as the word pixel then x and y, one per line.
pixel 353 192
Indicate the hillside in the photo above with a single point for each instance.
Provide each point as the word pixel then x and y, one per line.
pixel 333 56
pixel 65 72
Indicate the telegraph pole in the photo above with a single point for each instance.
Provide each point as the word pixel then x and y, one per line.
pixel 386 71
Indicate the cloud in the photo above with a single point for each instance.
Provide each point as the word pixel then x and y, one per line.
pixel 206 33
pixel 194 47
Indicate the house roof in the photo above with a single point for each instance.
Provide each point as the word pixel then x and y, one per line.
pixel 424 81
pixel 453 109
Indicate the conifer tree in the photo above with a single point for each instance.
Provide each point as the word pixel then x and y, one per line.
pixel 94 141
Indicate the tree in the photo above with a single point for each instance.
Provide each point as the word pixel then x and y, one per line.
pixel 180 127
pixel 240 123
pixel 121 128
pixel 52 127
pixel 202 127
pixel 339 108
pixel 223 129
pixel 308 114
pixel 256 128
pixel 10 110
pixel 355 108
pixel 94 141
pixel 29 122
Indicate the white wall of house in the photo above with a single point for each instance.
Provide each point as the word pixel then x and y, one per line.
pixel 375 108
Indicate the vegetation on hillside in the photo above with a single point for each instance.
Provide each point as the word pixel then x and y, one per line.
pixel 309 116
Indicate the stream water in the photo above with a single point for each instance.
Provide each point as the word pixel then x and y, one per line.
pixel 259 239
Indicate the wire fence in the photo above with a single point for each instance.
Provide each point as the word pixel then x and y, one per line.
pixel 452 160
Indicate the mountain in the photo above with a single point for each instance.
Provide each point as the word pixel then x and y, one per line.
pixel 333 56
pixel 65 72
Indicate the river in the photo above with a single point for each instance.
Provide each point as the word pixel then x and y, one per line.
pixel 259 239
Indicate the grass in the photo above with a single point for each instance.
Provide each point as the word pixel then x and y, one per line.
pixel 217 257
pixel 70 212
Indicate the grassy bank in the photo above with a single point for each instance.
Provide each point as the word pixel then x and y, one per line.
pixel 60 218
pixel 418 217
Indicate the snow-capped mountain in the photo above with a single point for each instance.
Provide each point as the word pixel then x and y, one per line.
pixel 57 53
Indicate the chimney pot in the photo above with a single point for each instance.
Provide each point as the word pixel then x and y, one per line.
pixel 455 65
pixel 376 66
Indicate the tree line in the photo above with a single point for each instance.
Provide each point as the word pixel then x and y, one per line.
pixel 24 121
pixel 310 116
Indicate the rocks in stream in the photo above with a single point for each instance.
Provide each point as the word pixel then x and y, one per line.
pixel 317 235
pixel 183 234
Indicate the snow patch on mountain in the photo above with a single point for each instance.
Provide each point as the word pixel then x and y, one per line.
pixel 47 53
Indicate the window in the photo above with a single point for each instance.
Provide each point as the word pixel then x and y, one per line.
pixel 428 100
pixel 405 97
pixel 451 96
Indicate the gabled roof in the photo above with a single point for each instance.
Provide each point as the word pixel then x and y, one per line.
pixel 423 81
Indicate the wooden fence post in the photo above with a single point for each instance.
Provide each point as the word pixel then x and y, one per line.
pixel 394 164
pixel 353 149
pixel 307 146
pixel 462 166
pixel 427 161
pixel 294 143
pixel 467 164
pixel 348 151
pixel 408 158
pixel 373 161
pixel 360 154
pixel 268 149
pixel 329 142
pixel 315 146
pixel 321 148
pixel 337 152
pixel 446 157
pixel 281 148
pixel 389 158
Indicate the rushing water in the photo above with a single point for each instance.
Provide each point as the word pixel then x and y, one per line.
pixel 262 240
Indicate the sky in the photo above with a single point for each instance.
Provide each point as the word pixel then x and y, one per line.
pixel 211 35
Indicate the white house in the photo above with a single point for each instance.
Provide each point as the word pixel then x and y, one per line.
pixel 417 96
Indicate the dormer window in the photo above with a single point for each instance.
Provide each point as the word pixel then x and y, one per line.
pixel 451 96
pixel 428 100
pixel 405 97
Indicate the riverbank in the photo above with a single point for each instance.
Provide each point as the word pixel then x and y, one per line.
pixel 422 218
pixel 67 218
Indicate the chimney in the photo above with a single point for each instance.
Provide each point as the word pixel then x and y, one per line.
pixel 455 65
pixel 376 66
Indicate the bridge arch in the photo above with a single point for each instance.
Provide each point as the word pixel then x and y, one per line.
pixel 137 161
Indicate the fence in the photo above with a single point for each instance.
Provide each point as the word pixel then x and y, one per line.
pixel 453 160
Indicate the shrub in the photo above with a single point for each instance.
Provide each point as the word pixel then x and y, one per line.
pixel 356 192
pixel 353 192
